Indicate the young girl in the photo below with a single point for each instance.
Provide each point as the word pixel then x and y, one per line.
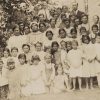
pixel 13 80
pixel 88 61
pixel 3 83
pixel 27 51
pixel 50 71
pixel 39 51
pixel 59 81
pixel 24 75
pixel 38 77
pixel 97 61
pixel 14 55
pixel 6 55
pixel 74 58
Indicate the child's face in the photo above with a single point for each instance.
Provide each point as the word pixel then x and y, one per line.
pixel 16 32
pixel 63 45
pixel 59 71
pixel 62 34
pixel 53 23
pixel 36 62
pixel 69 47
pixel 48 59
pixel 1 65
pixel 14 53
pixel 55 47
pixel 74 45
pixel 26 49
pixel 86 41
pixel 38 47
pixel 6 54
pixel 74 35
pixel 26 30
pixel 95 30
pixel 49 35
pixel 11 66
pixel 34 28
pixel 22 61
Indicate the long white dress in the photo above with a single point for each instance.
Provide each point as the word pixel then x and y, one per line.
pixel 74 58
pixel 97 63
pixel 89 69
pixel 38 79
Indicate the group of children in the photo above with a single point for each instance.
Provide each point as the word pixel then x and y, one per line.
pixel 47 50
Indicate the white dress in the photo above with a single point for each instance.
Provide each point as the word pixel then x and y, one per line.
pixel 37 79
pixel 88 69
pixel 58 85
pixel 97 63
pixel 74 58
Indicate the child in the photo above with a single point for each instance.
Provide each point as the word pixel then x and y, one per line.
pixel 6 55
pixel 74 57
pixel 24 75
pixel 97 61
pixel 14 55
pixel 50 71
pixel 3 83
pixel 38 77
pixel 13 80
pixel 88 61
pixel 39 50
pixel 59 81
pixel 27 52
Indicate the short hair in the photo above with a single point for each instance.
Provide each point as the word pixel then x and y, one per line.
pixel 26 45
pixel 14 48
pixel 95 26
pixel 36 57
pixel 87 37
pixel 62 29
pixel 54 43
pixel 7 50
pixel 49 32
pixel 38 43
pixel 22 56
pixel 73 30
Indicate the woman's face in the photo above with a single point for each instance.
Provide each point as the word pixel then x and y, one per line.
pixel 95 19
pixel 42 27
pixel 86 41
pixel 34 27
pixel 26 30
pixel 62 34
pixel 84 20
pixel 63 45
pixel 74 45
pixel 49 36
pixel 16 32
pixel 94 30
pixel 69 47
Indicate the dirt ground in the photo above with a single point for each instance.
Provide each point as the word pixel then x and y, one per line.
pixel 76 95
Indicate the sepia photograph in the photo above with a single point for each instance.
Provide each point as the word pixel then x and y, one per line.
pixel 49 49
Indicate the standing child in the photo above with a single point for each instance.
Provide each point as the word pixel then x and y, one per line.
pixel 38 77
pixel 88 61
pixel 3 83
pixel 59 81
pixel 97 61
pixel 50 71
pixel 74 57
pixel 13 80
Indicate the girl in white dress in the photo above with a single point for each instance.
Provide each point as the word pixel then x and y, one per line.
pixel 88 61
pixel 59 81
pixel 97 61
pixel 23 69
pixel 13 80
pixel 6 55
pixel 38 76
pixel 39 51
pixel 74 60
pixel 50 71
